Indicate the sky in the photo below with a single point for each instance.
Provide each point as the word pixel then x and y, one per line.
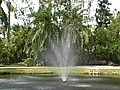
pixel 115 5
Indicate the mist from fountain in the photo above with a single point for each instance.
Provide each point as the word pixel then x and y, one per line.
pixel 62 54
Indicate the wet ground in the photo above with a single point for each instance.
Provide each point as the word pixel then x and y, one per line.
pixel 55 83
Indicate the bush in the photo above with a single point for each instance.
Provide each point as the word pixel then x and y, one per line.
pixel 29 62
pixel 111 64
pixel 21 64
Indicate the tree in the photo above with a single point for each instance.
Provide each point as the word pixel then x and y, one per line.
pixel 3 18
pixel 6 19
pixel 101 33
pixel 10 9
pixel 114 40
pixel 52 20
pixel 101 39
pixel 103 15
pixel 107 42
pixel 18 41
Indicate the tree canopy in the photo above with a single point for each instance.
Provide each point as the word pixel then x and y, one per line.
pixel 47 25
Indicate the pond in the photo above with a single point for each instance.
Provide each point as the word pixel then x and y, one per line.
pixel 27 82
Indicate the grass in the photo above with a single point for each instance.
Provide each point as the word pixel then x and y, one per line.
pixel 51 71
pixel 26 71
pixel 94 71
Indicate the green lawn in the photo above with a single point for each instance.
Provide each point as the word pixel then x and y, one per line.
pixel 52 71
pixel 26 70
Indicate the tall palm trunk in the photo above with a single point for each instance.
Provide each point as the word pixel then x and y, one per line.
pixel 8 28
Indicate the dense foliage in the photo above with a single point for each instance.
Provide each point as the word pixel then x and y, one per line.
pixel 26 43
pixel 103 14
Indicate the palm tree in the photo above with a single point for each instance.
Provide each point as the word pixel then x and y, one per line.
pixel 10 9
pixel 6 19
pixel 48 26
pixel 3 18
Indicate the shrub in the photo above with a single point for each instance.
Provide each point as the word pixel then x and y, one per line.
pixel 29 62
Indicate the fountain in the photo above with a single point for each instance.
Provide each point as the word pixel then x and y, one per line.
pixel 62 53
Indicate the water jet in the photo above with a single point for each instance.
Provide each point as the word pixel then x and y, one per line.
pixel 64 78
pixel 62 53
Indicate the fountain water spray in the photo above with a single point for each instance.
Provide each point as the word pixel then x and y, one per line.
pixel 62 53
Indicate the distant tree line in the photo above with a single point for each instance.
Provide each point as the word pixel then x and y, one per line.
pixel 27 43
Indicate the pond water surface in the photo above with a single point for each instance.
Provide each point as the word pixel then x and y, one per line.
pixel 27 82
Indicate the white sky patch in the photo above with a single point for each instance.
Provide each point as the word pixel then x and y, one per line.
pixel 115 5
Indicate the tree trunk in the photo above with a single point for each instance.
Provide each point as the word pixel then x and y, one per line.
pixel 8 29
